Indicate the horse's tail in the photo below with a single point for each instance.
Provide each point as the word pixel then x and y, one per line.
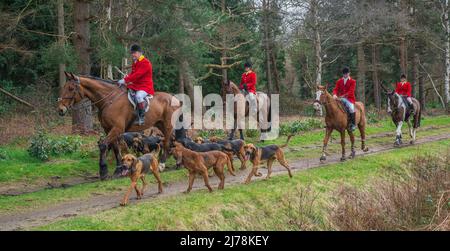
pixel 362 110
pixel 419 117
pixel 287 141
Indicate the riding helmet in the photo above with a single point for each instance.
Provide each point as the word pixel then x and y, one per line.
pixel 346 70
pixel 248 65
pixel 403 76
pixel 135 48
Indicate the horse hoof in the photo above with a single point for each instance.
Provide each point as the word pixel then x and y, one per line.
pixel 343 159
pixel 366 149
pixel 352 156
pixel 412 142
pixel 323 158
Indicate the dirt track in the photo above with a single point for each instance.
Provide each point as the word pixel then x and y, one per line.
pixel 20 188
pixel 25 220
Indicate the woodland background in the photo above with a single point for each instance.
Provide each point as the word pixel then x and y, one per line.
pixel 293 46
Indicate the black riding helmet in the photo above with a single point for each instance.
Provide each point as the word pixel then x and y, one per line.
pixel 248 65
pixel 403 76
pixel 135 48
pixel 346 70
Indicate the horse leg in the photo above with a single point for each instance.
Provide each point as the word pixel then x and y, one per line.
pixel 398 139
pixel 117 155
pixel 166 146
pixel 325 143
pixel 241 132
pixel 352 140
pixel 362 131
pixel 343 158
pixel 104 145
pixel 233 131
pixel 411 133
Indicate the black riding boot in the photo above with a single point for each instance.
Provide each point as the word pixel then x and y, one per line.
pixel 352 122
pixel 141 114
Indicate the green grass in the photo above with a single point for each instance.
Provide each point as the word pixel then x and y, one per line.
pixel 258 206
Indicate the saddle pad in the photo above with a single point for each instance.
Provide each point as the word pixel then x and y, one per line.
pixel 131 98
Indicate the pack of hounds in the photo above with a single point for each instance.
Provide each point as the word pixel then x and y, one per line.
pixel 141 152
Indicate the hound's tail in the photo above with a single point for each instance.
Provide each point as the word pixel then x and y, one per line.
pixel 287 142
pixel 230 166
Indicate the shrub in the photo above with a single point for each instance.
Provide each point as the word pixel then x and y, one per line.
pixel 252 133
pixel 42 146
pixel 372 116
pixel 416 198
pixel 3 154
pixel 300 126
pixel 211 133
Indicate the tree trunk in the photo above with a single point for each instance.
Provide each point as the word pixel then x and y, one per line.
pixel 267 46
pixel 61 40
pixel 403 55
pixel 109 71
pixel 224 55
pixel 415 71
pixel 82 113
pixel 446 26
pixel 314 5
pixel 422 91
pixel 361 90
pixel 128 23
pixel 376 83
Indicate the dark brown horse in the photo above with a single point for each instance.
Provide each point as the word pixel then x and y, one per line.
pixel 336 118
pixel 400 114
pixel 116 114
pixel 263 105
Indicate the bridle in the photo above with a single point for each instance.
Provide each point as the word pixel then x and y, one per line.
pixel 75 93
pixel 78 92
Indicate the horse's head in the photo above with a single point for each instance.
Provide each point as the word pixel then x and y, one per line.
pixel 392 97
pixel 321 93
pixel 70 94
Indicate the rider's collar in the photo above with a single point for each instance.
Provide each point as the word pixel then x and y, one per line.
pixel 141 58
pixel 248 72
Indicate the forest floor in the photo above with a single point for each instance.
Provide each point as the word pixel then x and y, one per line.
pixel 66 194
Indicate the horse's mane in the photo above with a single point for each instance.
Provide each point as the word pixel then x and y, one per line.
pixel 105 81
pixel 233 86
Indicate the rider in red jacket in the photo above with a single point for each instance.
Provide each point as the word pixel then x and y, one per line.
pixel 345 91
pixel 404 89
pixel 140 80
pixel 248 87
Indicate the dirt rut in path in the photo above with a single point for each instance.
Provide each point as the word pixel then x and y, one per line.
pixel 38 217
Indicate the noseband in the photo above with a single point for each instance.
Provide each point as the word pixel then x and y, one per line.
pixel 75 93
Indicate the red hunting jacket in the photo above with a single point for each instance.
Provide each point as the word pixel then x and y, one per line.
pixel 249 79
pixel 404 89
pixel 141 76
pixel 346 91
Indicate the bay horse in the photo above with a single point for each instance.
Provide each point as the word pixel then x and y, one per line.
pixel 116 114
pixel 336 118
pixel 401 114
pixel 263 104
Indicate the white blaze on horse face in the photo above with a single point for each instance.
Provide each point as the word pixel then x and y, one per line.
pixel 318 95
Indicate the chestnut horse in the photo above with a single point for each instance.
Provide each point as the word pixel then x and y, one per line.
pixel 336 118
pixel 116 114
pixel 263 104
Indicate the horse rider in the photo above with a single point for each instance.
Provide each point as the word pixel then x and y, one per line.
pixel 248 85
pixel 345 91
pixel 140 80
pixel 404 89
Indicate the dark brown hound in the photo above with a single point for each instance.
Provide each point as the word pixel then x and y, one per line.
pixel 116 114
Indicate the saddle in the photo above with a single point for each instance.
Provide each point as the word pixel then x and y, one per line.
pixel 133 101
